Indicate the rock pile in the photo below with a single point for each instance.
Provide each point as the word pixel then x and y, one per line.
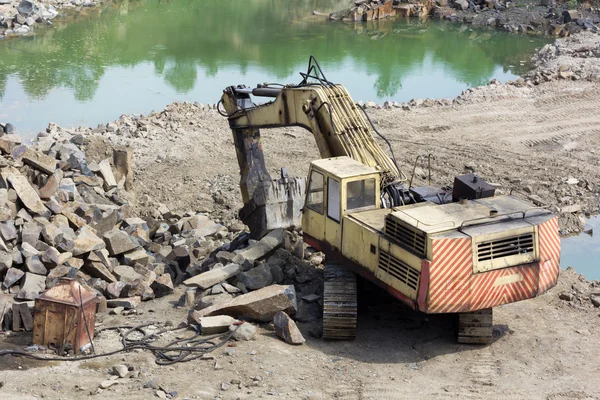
pixel 23 16
pixel 582 293
pixel 64 216
pixel 61 216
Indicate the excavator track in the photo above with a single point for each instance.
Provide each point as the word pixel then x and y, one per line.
pixel 339 303
pixel 476 327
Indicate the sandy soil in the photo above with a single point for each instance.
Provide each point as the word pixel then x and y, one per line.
pixel 544 348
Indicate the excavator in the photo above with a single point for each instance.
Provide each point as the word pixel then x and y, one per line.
pixel 460 249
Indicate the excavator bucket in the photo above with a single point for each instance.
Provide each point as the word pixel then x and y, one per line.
pixel 274 204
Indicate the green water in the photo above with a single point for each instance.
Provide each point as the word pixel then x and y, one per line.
pixel 139 55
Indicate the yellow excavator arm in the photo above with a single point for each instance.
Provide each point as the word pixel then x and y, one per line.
pixel 339 126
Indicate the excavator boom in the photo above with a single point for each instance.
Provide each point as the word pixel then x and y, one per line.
pixel 339 126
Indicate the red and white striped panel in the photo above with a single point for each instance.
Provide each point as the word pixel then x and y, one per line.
pixel 549 240
pixel 454 288
pixel 449 275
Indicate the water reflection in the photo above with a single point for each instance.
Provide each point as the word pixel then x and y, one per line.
pixel 142 54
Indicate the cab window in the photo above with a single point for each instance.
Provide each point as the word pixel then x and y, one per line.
pixel 333 199
pixel 360 194
pixel 314 198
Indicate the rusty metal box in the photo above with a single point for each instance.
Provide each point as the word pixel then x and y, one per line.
pixel 64 317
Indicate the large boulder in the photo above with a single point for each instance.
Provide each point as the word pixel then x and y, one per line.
pixel 260 305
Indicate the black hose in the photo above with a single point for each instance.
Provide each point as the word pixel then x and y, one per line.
pixel 184 350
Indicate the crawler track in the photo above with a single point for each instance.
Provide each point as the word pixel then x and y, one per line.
pixel 339 303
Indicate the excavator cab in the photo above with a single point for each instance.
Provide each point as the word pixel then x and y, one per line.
pixel 336 187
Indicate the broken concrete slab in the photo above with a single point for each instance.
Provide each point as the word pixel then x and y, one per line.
pixel 286 328
pixel 31 286
pixel 86 241
pixel 260 305
pixel 39 161
pixel 207 279
pixel 28 196
pixel 263 248
pixel 216 324
pixel 118 242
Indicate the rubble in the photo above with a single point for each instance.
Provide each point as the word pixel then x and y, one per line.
pixel 207 279
pixel 260 305
pixel 286 329
pixel 216 324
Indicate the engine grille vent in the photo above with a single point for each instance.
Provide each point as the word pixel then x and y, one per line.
pixel 399 270
pixel 405 236
pixel 495 249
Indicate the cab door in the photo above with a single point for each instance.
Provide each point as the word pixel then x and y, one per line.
pixel 333 222
pixel 313 215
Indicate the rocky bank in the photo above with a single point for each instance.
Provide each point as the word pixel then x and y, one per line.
pixel 19 17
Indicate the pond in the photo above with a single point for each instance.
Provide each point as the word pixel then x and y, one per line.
pixel 582 252
pixel 139 55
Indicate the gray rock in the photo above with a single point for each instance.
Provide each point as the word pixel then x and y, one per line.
pixel 39 161
pixel 118 242
pixel 107 174
pixel 98 270
pixel 120 370
pixel 263 248
pixel 210 300
pixel 461 5
pixel 595 299
pixel 28 196
pixel 243 332
pixel 32 285
pixel 31 233
pixel 6 260
pixel 260 305
pixel 115 290
pixel 126 273
pixel 86 241
pixel 216 324
pixel 35 266
pixel 286 328
pixel 8 230
pixel 13 275
pixel 566 296
pixel 136 257
pixel 52 185
pixel 277 274
pixel 257 278
pixel 127 303
pixel 52 234
pixel 163 285
pixel 207 279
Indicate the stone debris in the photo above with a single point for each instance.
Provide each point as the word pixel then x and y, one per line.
pixel 210 278
pixel 286 328
pixel 260 305
pixel 243 332
pixel 216 324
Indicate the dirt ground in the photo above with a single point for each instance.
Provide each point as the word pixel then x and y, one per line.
pixel 544 348
pixel 540 139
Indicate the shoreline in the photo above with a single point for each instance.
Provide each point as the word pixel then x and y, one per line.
pixel 21 17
